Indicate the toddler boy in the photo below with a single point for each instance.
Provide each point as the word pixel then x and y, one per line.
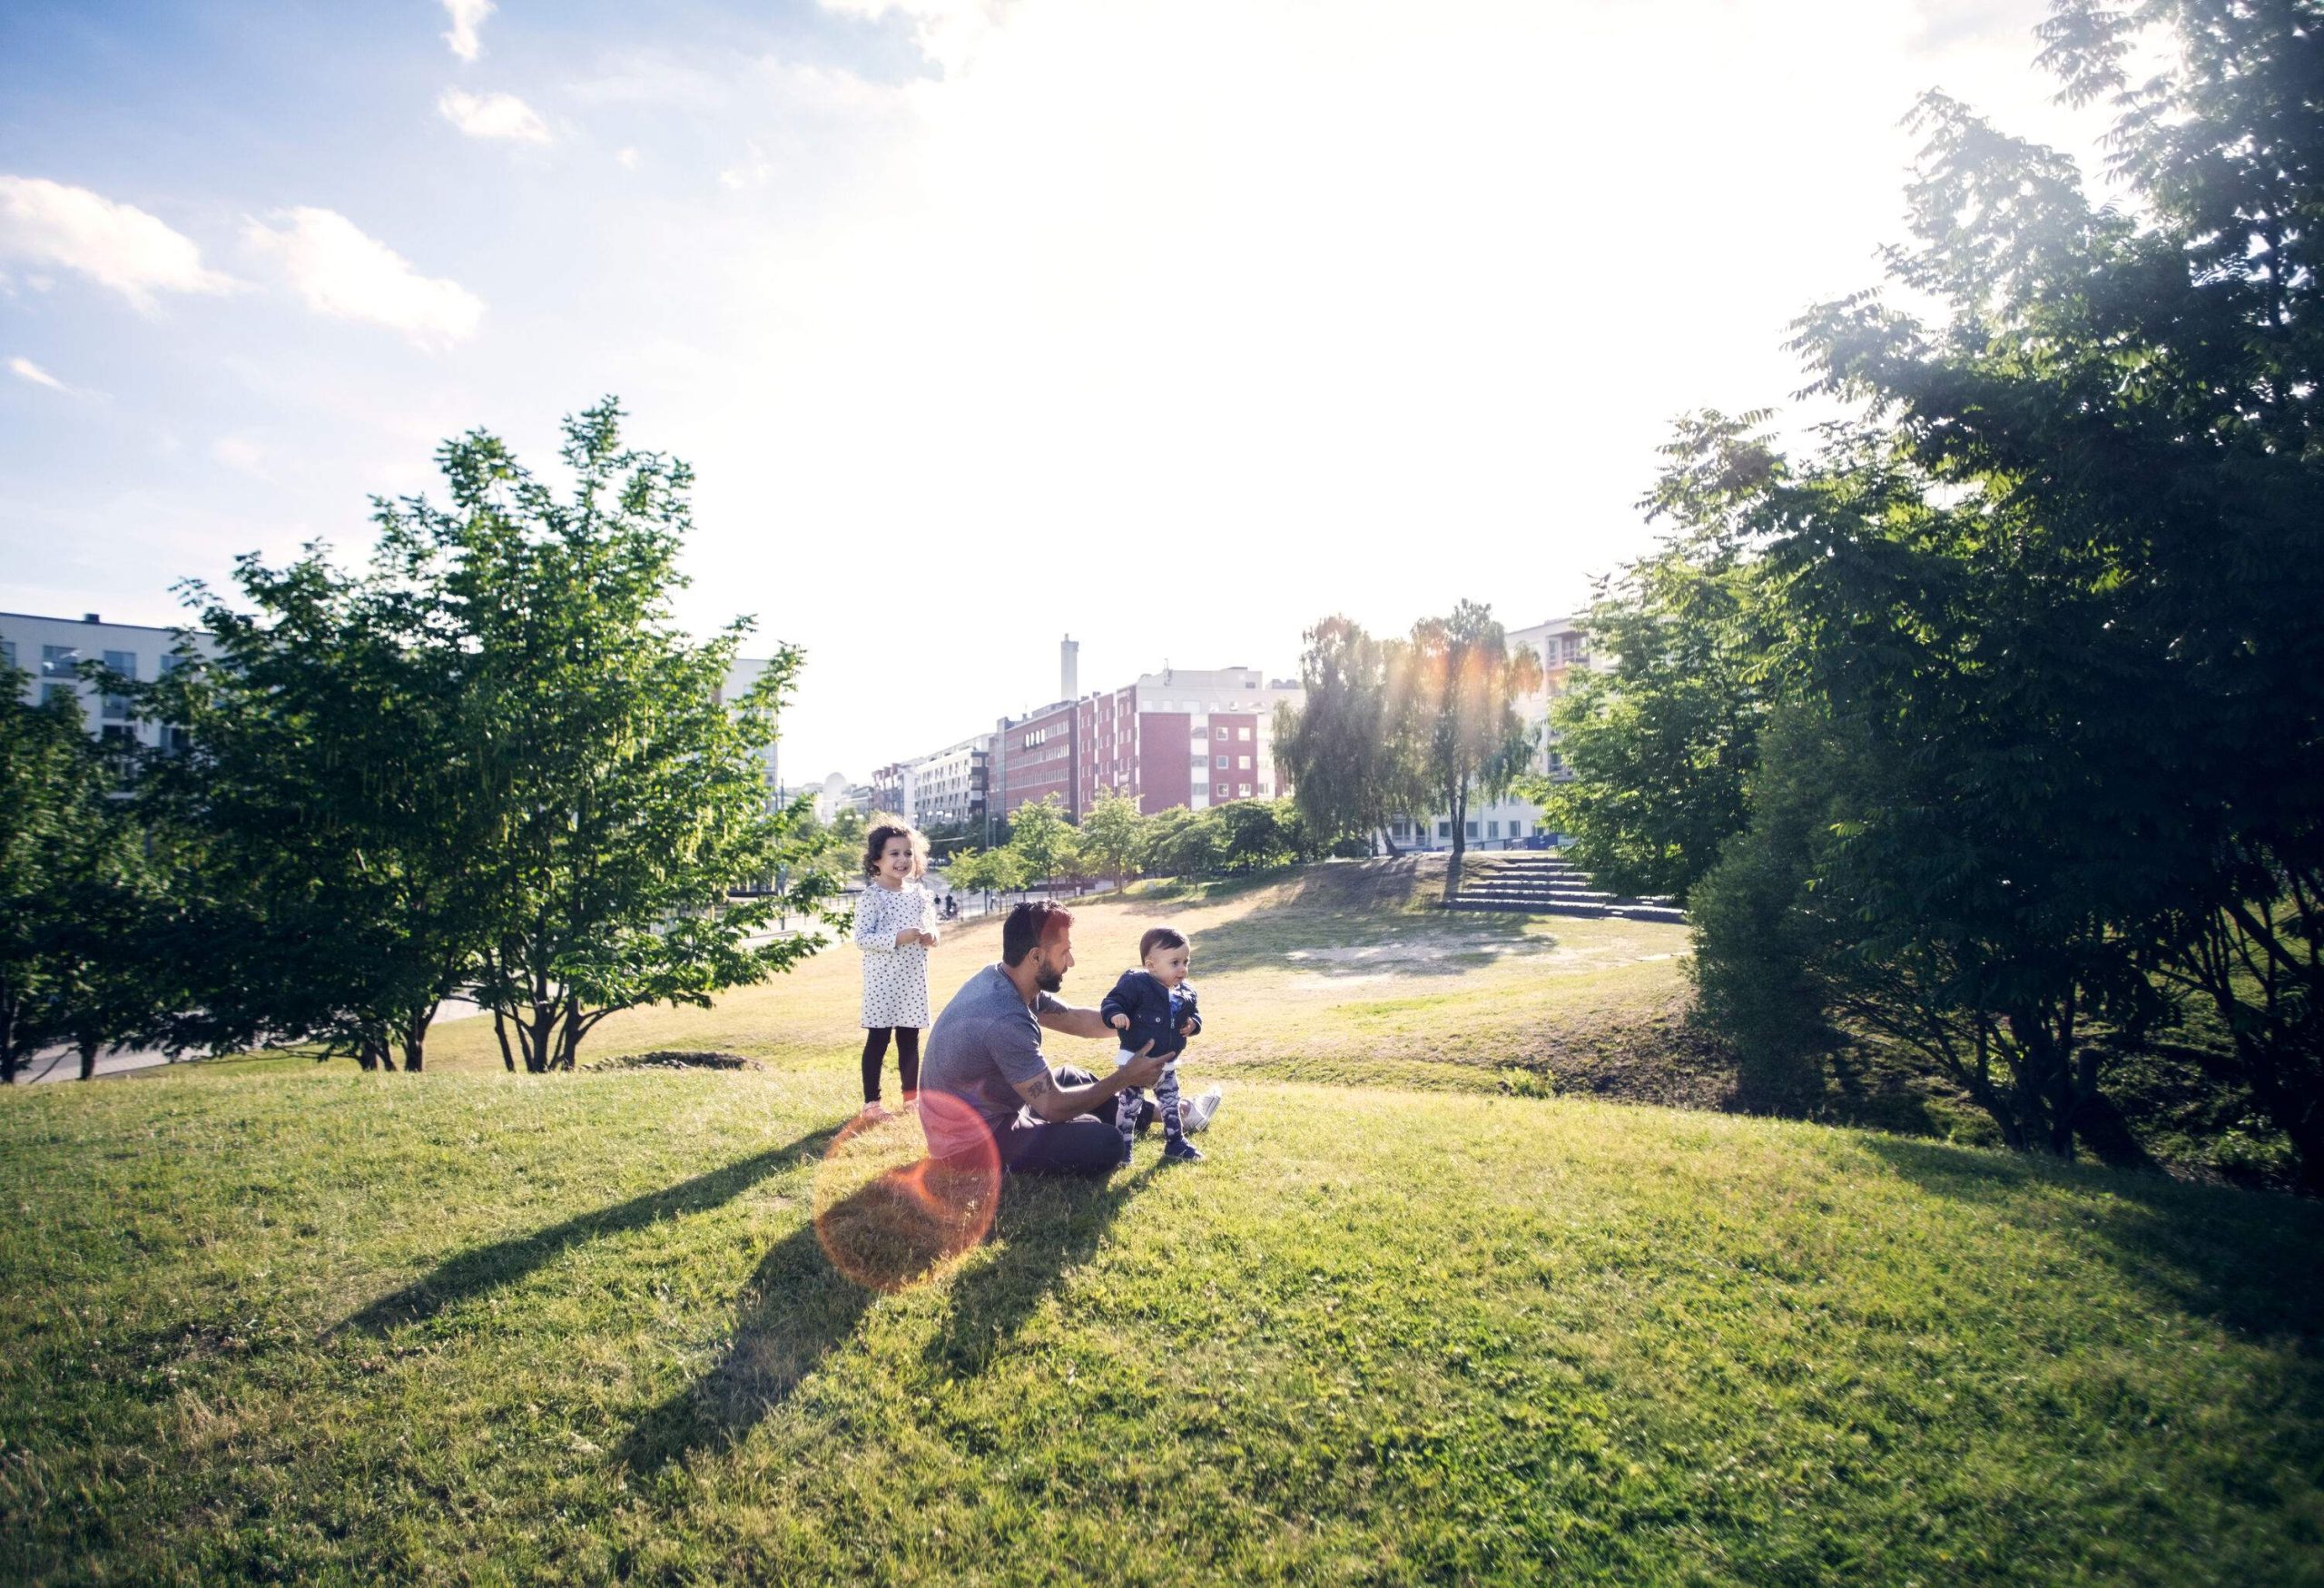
pixel 1155 1004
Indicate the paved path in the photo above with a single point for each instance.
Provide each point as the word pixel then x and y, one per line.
pixel 65 1063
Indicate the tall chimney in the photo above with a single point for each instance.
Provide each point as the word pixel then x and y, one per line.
pixel 1069 668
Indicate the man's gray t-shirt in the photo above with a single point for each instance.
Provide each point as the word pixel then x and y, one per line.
pixel 984 1044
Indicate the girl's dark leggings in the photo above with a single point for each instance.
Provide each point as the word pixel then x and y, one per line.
pixel 875 1053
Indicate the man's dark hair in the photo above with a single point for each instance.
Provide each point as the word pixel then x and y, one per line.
pixel 1029 926
pixel 1168 937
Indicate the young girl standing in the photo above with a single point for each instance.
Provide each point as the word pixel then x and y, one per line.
pixel 895 922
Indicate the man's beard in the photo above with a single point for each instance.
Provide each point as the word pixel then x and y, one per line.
pixel 1048 979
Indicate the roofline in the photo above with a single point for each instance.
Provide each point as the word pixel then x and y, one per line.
pixel 105 623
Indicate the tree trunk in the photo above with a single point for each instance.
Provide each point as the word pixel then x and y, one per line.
pixel 1459 803
pixel 415 1036
pixel 569 1038
pixel 89 1045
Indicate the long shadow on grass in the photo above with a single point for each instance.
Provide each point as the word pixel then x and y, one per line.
pixel 797 1308
pixel 2249 1260
pixel 504 1262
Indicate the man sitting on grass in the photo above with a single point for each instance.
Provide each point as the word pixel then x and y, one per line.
pixel 984 1077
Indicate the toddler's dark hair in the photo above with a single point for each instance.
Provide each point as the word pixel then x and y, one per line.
pixel 877 840
pixel 1168 937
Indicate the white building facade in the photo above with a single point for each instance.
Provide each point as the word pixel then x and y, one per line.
pixel 50 649
pixel 945 788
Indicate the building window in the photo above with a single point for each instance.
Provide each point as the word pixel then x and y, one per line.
pixel 58 661
pixel 1445 829
pixel 1222 763
pixel 1242 733
pixel 1245 789
pixel 1242 763
pixel 1517 829
pixel 1493 828
pixel 116 708
pixel 7 652
pixel 1471 828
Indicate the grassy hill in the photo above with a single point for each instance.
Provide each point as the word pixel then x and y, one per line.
pixel 297 1324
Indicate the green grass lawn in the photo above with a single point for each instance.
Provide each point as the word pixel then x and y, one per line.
pixel 291 1322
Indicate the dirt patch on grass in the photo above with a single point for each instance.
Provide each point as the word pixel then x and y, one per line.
pixel 673 1059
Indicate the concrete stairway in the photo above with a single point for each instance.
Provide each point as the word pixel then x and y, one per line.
pixel 1543 885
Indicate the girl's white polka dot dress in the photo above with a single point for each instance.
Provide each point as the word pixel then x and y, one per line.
pixel 895 980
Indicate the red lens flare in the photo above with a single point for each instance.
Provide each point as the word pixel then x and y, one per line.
pixel 887 1214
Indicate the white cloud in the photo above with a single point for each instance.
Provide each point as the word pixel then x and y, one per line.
pixel 627 159
pixel 339 271
pixel 121 246
pixel 948 32
pixel 242 455
pixel 752 172
pixel 468 15
pixel 33 372
pixel 492 116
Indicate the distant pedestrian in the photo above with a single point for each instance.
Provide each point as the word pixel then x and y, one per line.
pixel 895 922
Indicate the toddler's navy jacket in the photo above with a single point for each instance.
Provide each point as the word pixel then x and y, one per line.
pixel 1155 1012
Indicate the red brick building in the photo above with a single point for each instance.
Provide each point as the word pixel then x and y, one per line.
pixel 1177 737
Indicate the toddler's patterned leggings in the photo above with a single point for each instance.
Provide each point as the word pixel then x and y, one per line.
pixel 1129 1100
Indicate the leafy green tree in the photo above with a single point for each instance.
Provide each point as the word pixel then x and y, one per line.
pixel 1354 749
pixel 103 985
pixel 319 830
pixel 986 872
pixel 1042 838
pixel 615 797
pixel 1181 842
pixel 1113 836
pixel 1468 684
pixel 66 845
pixel 1256 835
pixel 2089 593
pixel 1975 877
pixel 1659 750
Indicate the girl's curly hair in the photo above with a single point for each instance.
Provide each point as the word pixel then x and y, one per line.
pixel 877 839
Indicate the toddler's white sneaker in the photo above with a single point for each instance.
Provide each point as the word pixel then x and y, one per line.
pixel 1198 1113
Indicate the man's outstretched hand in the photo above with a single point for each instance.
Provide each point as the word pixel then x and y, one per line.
pixel 1143 1071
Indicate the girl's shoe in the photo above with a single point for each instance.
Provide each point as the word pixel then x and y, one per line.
pixel 1181 1151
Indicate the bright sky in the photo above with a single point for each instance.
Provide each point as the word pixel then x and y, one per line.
pixel 1172 324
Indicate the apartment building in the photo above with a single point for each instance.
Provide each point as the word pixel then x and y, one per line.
pixel 51 648
pixel 1192 737
pixel 945 788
